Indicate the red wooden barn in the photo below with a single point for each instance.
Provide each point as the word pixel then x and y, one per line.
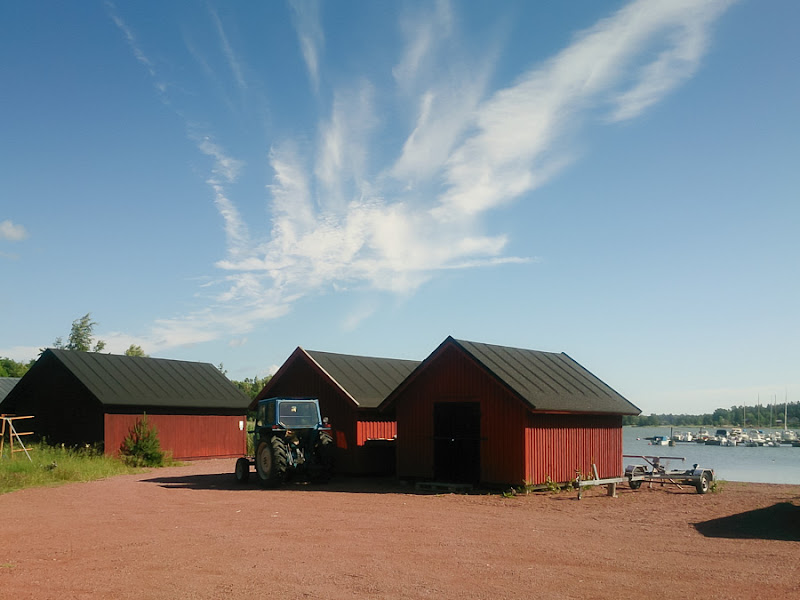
pixel 480 413
pixel 82 398
pixel 349 389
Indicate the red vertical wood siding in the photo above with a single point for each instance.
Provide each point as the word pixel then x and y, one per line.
pixel 185 436
pixel 517 445
pixel 375 430
pixel 558 445
pixel 454 377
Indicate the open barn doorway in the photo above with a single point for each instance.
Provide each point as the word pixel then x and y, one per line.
pixel 457 441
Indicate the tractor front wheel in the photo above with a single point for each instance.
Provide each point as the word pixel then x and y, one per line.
pixel 271 461
pixel 325 450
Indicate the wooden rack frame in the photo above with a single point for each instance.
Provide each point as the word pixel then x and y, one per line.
pixel 8 426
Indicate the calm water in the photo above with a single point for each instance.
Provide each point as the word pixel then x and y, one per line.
pixel 732 463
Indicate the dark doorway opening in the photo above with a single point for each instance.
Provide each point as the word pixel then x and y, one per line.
pixel 457 441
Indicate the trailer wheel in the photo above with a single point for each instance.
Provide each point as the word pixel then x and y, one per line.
pixel 635 484
pixel 242 470
pixel 271 461
pixel 704 484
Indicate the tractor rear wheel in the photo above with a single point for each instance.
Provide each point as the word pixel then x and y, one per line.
pixel 271 461
pixel 242 470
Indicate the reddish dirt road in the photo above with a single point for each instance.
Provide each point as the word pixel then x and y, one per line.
pixel 191 532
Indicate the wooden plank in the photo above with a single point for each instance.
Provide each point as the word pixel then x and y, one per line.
pixel 607 481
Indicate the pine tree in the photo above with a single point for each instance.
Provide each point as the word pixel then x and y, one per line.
pixel 141 447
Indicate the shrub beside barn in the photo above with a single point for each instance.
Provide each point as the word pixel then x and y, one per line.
pixel 80 398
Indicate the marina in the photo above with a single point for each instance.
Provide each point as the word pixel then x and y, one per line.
pixel 771 461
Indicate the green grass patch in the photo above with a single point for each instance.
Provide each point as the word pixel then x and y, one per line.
pixel 251 426
pixel 54 465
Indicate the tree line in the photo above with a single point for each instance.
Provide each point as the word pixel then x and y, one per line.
pixel 756 416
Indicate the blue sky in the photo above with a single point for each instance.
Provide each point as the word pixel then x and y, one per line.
pixel 224 182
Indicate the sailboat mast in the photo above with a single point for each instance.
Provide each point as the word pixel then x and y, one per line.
pixel 785 399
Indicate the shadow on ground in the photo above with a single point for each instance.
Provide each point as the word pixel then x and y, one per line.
pixel 227 481
pixel 777 522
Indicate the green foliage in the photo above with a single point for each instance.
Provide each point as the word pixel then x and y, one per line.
pixel 81 337
pixel 552 486
pixel 141 447
pixel 54 465
pixel 135 351
pixel 11 368
pixel 716 486
pixel 251 387
pixel 251 426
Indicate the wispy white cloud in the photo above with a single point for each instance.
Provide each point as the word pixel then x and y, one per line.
pixel 445 113
pixel 521 131
pixel 690 26
pixel 12 232
pixel 138 53
pixel 424 34
pixel 384 245
pixel 347 215
pixel 343 145
pixel 359 314
pixel 213 322
pixel 310 35
pixel 21 353
pixel 225 166
pixel 131 39
pixel 227 50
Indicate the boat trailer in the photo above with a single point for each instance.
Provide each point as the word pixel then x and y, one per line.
pixel 654 471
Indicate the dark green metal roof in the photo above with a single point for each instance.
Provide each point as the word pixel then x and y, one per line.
pixel 367 380
pixel 138 381
pixel 6 385
pixel 548 381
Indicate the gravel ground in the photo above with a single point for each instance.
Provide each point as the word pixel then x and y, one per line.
pixel 192 532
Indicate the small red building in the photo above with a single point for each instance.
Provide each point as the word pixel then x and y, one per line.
pixel 80 398
pixel 480 413
pixel 349 389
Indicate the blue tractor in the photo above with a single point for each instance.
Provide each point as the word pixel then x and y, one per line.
pixel 289 438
